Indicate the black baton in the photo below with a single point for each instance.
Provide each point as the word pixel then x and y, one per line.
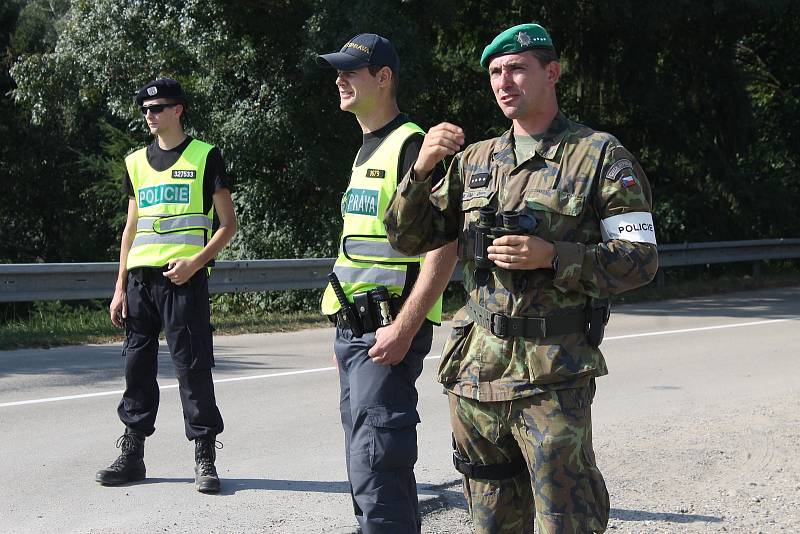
pixel 349 313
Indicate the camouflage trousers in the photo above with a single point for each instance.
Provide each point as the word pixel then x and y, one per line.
pixel 562 487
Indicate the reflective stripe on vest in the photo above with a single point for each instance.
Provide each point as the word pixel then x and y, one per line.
pixel 168 239
pixel 373 275
pixel 369 249
pixel 174 223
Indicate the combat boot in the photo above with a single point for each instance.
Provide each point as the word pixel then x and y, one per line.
pixel 205 474
pixel 129 466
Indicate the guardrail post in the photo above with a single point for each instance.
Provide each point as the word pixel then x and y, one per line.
pixel 661 280
pixel 756 271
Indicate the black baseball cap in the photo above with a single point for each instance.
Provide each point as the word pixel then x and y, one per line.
pixel 362 50
pixel 161 88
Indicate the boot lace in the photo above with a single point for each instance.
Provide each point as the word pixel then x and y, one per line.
pixel 205 456
pixel 127 444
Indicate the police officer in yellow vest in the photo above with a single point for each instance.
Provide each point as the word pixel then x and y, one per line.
pixel 392 297
pixel 175 187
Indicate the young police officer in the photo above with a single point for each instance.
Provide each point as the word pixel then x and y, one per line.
pixel 521 363
pixel 378 368
pixel 175 187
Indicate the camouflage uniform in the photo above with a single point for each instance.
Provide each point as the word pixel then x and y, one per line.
pixel 527 397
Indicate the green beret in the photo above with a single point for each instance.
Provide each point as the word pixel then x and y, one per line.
pixel 517 39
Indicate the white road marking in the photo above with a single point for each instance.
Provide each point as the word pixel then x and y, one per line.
pixel 699 329
pixel 324 369
pixel 168 386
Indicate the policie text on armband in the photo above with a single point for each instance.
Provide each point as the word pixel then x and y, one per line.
pixel 487 230
pixel 636 226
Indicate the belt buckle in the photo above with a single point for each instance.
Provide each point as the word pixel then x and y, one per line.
pixel 498 325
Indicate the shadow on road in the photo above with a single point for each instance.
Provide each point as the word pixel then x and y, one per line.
pixel 92 363
pixel 641 515
pixel 231 485
pixel 780 303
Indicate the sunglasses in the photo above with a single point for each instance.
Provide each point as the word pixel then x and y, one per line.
pixel 156 108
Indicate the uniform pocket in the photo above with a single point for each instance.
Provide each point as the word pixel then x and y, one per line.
pixel 556 212
pixel 394 438
pixel 125 342
pixel 202 352
pixel 191 347
pixel 450 364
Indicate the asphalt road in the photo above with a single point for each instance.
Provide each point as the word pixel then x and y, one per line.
pixel 282 464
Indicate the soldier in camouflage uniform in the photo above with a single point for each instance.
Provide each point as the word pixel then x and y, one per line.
pixel 520 365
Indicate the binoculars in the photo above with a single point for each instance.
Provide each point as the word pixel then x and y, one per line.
pixel 489 227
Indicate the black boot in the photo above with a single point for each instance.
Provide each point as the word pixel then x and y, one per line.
pixel 129 466
pixel 205 474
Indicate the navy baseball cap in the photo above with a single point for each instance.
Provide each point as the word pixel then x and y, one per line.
pixel 161 88
pixel 362 50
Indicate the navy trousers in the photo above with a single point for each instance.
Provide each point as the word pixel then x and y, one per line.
pixel 183 312
pixel 378 405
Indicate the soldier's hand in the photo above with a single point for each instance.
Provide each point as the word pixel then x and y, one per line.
pixel 521 252
pixel 442 140
pixel 180 270
pixel 391 345
pixel 119 308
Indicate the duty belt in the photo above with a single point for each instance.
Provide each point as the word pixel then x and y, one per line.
pixel 505 326
pixel 340 319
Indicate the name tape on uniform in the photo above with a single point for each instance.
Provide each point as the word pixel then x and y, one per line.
pixel 636 226
pixel 186 174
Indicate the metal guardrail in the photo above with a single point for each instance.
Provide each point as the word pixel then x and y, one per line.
pixel 72 281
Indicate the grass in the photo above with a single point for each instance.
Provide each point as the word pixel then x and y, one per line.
pixel 49 324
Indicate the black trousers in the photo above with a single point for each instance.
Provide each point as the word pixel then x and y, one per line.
pixel 183 312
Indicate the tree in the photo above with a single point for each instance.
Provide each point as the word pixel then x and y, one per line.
pixel 693 89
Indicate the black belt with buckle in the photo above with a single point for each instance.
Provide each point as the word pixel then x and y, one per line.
pixel 505 326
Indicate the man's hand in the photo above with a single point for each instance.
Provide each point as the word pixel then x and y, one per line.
pixel 119 308
pixel 442 140
pixel 521 252
pixel 391 345
pixel 180 270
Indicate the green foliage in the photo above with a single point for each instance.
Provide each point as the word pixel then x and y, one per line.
pixel 706 94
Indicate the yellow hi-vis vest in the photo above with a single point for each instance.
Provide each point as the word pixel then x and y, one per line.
pixel 366 259
pixel 170 203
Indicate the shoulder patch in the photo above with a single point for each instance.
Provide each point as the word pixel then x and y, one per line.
pixel 618 167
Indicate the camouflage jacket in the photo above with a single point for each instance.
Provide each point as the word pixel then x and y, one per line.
pixel 575 178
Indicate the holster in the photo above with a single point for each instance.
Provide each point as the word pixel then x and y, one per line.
pixel 368 312
pixel 598 313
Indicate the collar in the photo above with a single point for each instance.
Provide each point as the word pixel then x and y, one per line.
pixel 547 147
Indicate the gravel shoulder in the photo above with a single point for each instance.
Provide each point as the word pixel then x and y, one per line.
pixel 734 471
